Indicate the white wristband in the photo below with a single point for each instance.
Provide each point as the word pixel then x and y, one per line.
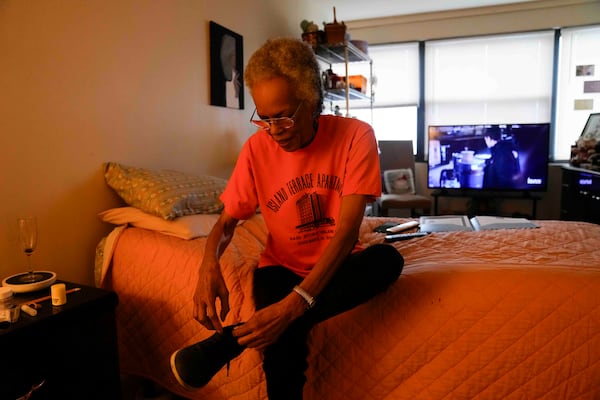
pixel 310 301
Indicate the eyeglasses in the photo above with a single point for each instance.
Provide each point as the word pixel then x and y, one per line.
pixel 281 123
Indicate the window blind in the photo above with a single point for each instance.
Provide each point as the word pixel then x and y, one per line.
pixel 491 79
pixel 396 91
pixel 396 73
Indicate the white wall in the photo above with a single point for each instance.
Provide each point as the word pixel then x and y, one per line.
pixel 85 82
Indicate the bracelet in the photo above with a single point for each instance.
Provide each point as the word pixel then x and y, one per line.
pixel 310 301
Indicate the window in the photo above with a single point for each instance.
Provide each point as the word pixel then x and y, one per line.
pixel 391 123
pixel 492 79
pixel 395 90
pixel 579 62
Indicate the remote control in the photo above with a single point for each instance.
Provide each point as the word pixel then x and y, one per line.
pixel 402 227
pixel 404 236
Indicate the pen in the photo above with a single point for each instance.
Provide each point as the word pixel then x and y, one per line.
pixel 29 302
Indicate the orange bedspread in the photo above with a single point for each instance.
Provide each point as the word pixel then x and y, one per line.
pixel 507 314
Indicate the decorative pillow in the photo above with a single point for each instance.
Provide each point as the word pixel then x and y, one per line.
pixel 186 227
pixel 167 194
pixel 399 181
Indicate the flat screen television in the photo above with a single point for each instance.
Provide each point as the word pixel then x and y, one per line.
pixel 500 157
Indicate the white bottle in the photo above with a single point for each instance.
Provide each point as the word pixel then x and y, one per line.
pixel 9 312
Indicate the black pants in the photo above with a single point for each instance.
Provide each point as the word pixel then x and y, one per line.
pixel 359 278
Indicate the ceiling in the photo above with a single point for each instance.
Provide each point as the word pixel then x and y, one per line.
pixel 349 10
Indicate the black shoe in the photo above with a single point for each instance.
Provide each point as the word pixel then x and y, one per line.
pixel 195 365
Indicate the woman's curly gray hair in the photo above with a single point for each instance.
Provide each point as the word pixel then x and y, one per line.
pixel 293 60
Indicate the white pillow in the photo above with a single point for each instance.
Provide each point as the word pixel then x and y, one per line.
pixel 399 181
pixel 186 227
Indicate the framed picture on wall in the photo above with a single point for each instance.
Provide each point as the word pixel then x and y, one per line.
pixel 592 127
pixel 226 67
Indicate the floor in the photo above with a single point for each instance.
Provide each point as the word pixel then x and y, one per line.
pixel 135 388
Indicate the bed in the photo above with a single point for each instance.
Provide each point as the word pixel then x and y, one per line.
pixel 499 314
pixel 494 314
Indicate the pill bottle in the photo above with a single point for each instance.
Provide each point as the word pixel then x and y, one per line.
pixel 8 309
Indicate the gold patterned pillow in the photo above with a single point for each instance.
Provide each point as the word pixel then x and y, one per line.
pixel 167 194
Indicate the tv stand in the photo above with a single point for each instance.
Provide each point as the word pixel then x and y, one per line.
pixel 481 200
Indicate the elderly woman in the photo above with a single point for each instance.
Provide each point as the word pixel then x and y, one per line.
pixel 311 176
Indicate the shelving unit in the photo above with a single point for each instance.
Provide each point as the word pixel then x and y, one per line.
pixel 345 53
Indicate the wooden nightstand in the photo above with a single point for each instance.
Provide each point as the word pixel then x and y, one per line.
pixel 72 347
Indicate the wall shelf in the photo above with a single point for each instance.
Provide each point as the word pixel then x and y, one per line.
pixel 335 53
pixel 340 95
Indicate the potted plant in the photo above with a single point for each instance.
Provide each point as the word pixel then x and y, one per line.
pixel 311 33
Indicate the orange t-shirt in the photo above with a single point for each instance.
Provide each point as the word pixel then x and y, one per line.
pixel 299 193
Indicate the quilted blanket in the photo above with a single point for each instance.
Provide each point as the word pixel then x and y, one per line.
pixel 505 314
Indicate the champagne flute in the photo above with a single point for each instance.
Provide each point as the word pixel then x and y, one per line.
pixel 28 241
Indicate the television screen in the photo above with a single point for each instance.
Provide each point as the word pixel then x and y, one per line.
pixel 506 157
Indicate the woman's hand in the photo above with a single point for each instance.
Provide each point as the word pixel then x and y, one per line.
pixel 266 325
pixel 211 286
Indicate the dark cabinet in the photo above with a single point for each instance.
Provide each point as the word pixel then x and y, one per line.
pixel 580 197
pixel 71 348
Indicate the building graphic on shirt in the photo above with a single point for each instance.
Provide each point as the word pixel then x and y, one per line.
pixel 310 212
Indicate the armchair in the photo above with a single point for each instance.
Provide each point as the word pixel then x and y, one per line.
pixel 397 163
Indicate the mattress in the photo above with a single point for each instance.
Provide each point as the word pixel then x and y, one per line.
pixel 506 314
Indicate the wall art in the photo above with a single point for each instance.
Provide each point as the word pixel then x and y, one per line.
pixel 226 67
